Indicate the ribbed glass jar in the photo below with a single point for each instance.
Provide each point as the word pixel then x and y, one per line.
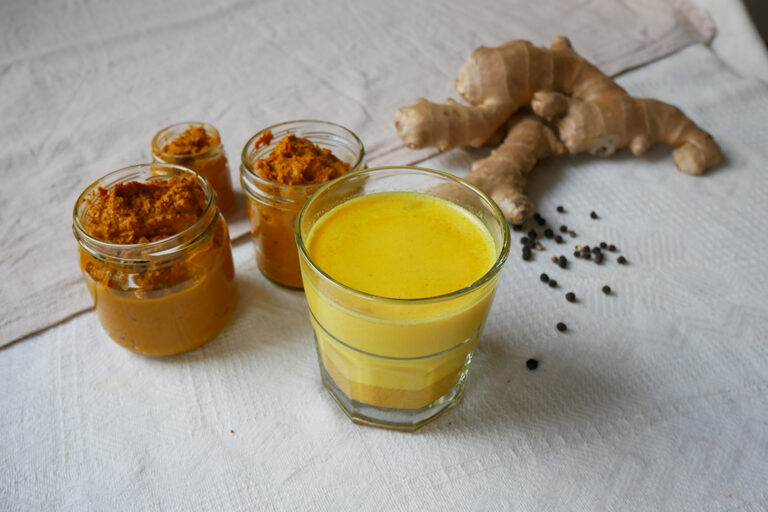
pixel 274 207
pixel 163 297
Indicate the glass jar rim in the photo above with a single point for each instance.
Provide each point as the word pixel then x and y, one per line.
pixel 490 274
pixel 209 128
pixel 160 246
pixel 251 174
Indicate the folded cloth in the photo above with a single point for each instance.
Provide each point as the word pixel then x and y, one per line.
pixel 86 85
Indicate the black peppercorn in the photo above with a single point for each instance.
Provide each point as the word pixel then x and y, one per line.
pixel 536 216
pixel 548 233
pixel 527 254
pixel 524 240
pixel 552 283
pixel 531 364
pixel 544 278
pixel 560 209
pixel 621 260
pixel 612 248
pixel 576 254
pixel 517 227
pixel 562 261
pixel 607 290
pixel 558 239
pixel 603 245
pixel 532 234
pixel 563 228
pixel 541 221
pixel 599 258
pixel 592 215
pixel 586 255
pixel 570 297
pixel 561 326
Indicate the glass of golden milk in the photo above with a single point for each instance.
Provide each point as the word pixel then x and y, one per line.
pixel 400 265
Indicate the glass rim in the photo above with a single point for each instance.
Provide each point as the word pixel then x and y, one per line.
pixel 490 274
pixel 206 126
pixel 134 171
pixel 251 174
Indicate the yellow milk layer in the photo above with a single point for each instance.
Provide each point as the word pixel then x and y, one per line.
pixel 398 245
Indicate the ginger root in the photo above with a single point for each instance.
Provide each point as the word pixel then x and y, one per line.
pixel 590 111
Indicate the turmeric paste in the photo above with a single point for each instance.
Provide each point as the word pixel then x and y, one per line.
pixel 199 148
pixel 135 212
pixel 290 174
pixel 297 161
pixel 166 302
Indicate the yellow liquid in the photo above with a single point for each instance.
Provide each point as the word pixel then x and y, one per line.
pixel 400 245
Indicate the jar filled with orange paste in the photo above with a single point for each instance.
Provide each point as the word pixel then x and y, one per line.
pixel 156 257
pixel 198 147
pixel 282 166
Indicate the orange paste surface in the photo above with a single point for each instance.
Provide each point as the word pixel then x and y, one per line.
pixel 135 212
pixel 194 140
pixel 297 161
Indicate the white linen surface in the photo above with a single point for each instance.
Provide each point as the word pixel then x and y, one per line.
pixel 85 85
pixel 656 398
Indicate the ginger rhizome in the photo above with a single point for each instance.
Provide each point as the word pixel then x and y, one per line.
pixel 589 111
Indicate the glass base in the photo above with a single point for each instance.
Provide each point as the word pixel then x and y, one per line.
pixel 406 420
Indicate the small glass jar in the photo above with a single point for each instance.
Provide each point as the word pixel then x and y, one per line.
pixel 211 162
pixel 163 297
pixel 274 207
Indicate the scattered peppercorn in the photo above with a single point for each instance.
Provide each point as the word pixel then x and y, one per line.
pixel 603 245
pixel 599 258
pixel 524 240
pixel 621 260
pixel 560 209
pixel 531 364
pixel 607 290
pixel 561 326
pixel 539 247
pixel 586 255
pixel 544 278
pixel 536 215
pixel 570 297
pixel 541 221
pixel 576 254
pixel 562 261
pixel 596 249
pixel 554 259
pixel 586 248
pixel 532 234
pixel 563 228
pixel 612 248
pixel 526 254
pixel 558 239
pixel 572 233
pixel 549 233
pixel 517 227
pixel 592 215
pixel 552 283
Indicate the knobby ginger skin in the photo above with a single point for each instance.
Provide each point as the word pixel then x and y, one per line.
pixel 159 306
pixel 592 113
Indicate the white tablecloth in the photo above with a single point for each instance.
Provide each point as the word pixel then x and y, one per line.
pixel 85 85
pixel 656 398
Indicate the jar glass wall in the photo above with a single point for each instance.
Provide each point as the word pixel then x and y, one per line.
pixel 274 207
pixel 163 297
pixel 211 162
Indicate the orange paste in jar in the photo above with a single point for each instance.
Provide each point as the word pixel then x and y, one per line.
pixel 200 151
pixel 159 306
pixel 293 161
